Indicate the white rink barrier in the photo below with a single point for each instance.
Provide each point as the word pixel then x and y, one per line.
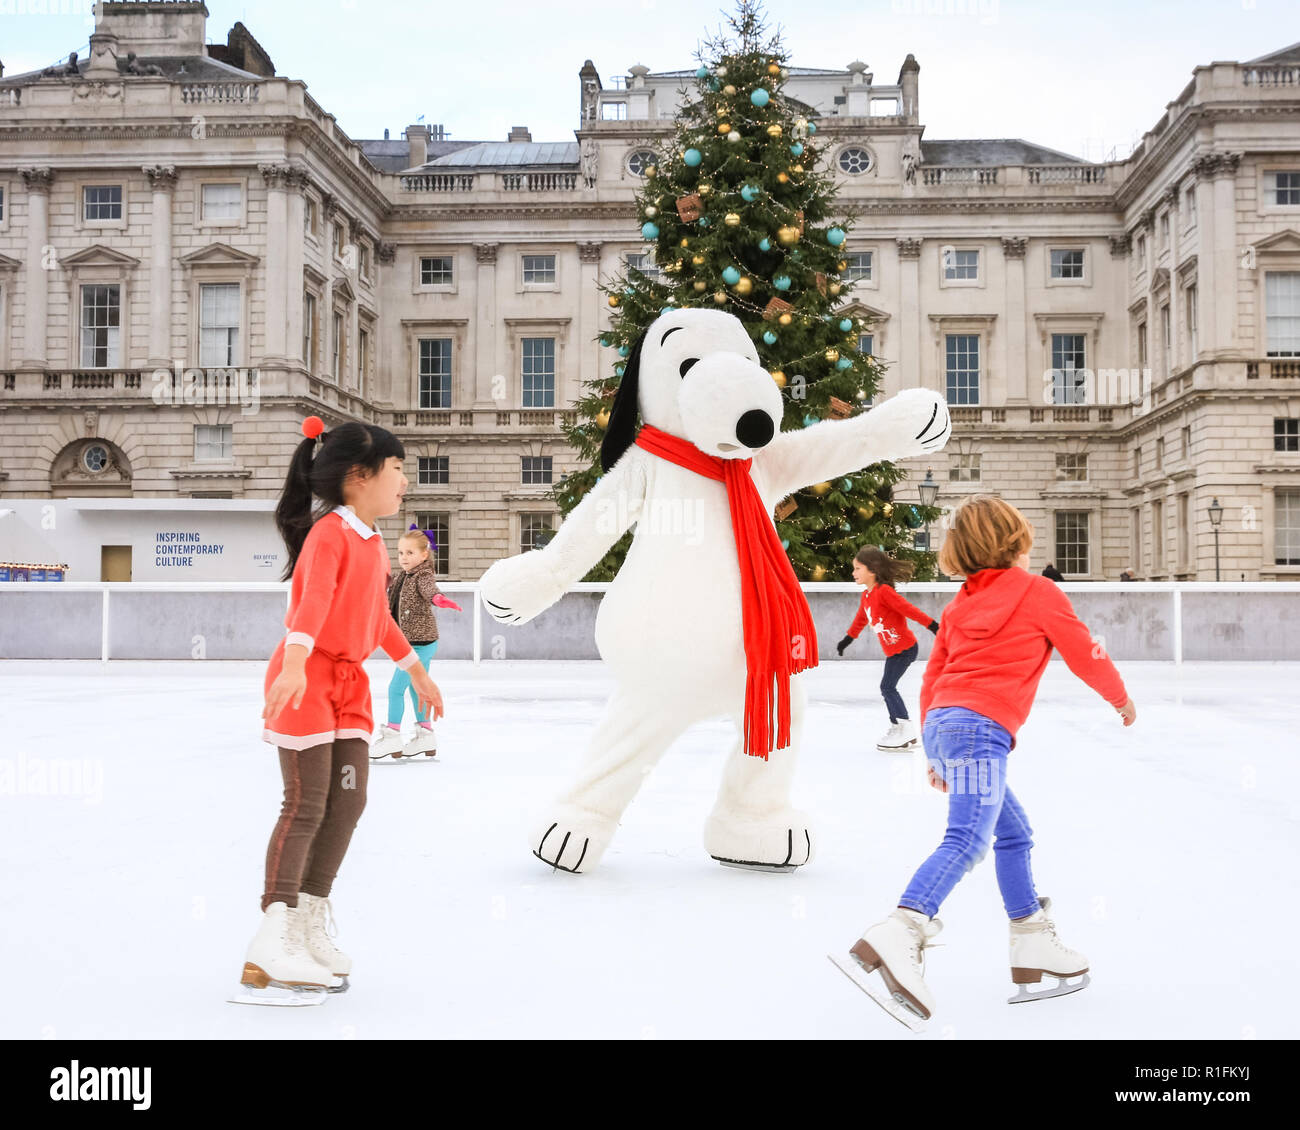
pixel 1194 620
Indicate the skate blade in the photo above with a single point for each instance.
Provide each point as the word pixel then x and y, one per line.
pixel 340 985
pixel 280 995
pixel 897 748
pixel 1063 988
pixel 896 1006
pixel 743 865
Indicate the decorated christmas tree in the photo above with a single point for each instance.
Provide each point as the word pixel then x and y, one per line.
pixel 742 217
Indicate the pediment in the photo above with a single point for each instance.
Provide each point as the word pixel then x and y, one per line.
pixel 7 264
pixel 854 308
pixel 343 289
pixel 218 255
pixel 1282 241
pixel 97 255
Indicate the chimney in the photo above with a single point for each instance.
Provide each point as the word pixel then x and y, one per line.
pixel 519 133
pixel 385 134
pixel 154 27
pixel 418 138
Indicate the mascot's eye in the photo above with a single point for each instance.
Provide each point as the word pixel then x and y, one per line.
pixel 686 365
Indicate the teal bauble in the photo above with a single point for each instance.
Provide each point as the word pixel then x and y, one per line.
pixel 730 276
pixel 760 97
pixel 750 193
pixel 844 363
pixel 649 230
pixel 623 351
pixel 769 337
pixel 605 342
pixel 845 527
pixel 663 310
pixel 765 244
pixel 618 370
pixel 846 324
pixel 809 421
pixel 785 543
pixel 692 157
pixel 704 221
pixel 846 484
pixel 702 72
pixel 797 149
pixel 812 127
pixel 835 236
pixel 628 290
pixel 714 84
pixel 781 282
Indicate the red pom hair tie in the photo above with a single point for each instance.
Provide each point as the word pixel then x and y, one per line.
pixel 312 427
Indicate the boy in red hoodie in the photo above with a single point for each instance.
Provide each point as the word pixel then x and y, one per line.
pixel 993 645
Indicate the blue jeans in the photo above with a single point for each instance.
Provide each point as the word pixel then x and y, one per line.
pixel 970 751
pixel 895 666
pixel 400 687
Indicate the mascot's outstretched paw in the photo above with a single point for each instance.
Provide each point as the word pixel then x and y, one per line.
pixel 775 842
pixel 920 415
pixel 573 841
pixel 518 588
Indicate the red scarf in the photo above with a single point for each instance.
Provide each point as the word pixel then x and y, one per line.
pixel 780 638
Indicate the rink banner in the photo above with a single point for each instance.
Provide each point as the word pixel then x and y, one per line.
pixel 232 1078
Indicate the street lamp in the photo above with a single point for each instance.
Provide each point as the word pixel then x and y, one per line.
pixel 929 492
pixel 1216 516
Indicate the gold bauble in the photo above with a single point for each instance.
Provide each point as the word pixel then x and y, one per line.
pixel 818 573
pixel 888 509
pixel 728 89
pixel 677 265
pixel 784 178
pixel 686 243
pixel 602 419
pixel 785 319
pixel 745 285
pixel 700 285
pixel 779 377
pixel 719 296
pixel 835 288
pixel 724 127
pixel 773 69
pixel 842 265
pixel 774 130
pixel 788 234
pixel 651 211
pixel 820 488
pixel 797 169
pixel 861 394
pixel 613 300
pixel 698 260
pixel 832 355
pixel 650 171
pixel 731 219
pixel 866 511
pixel 705 189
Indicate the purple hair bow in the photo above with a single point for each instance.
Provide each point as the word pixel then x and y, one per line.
pixel 433 541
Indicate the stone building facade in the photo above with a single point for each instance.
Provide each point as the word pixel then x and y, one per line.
pixel 194 256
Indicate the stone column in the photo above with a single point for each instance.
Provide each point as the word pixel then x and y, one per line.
pixel 1207 308
pixel 1225 250
pixel 296 181
pixel 351 378
pixel 586 351
pixel 1177 346
pixel 37 275
pixel 386 344
pixel 275 282
pixel 486 346
pixel 333 218
pixel 911 357
pixel 162 180
pixel 1019 388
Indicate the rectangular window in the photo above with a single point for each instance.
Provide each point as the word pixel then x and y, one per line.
pixel 1069 382
pixel 219 324
pixel 1282 313
pixel 309 216
pixel 338 346
pixel 1189 205
pixel 961 264
pixel 1184 538
pixel 309 330
pixel 538 371
pixel 535 531
pixel 363 356
pixel 1166 334
pixel 1191 323
pixel 964 468
pixel 101 326
pixel 340 240
pixel 1286 188
pixel 435 372
pixel 867 344
pixel 962 368
pixel 646 265
pixel 2 204
pixel 1286 527
pixel 1187 442
pixel 1160 453
pixel 1158 537
pixel 613 112
pixel 435 270
pixel 1137 462
pixel 1141 252
pixel 1071 467
pixel 213 442
pixel 1142 345
pixel 365 260
pixel 859 265
pixel 437 525
pixel 1135 538
pixel 539 269
pixel 433 470
pixel 1067 263
pixel 102 202
pixel 1072 541
pixel 536 469
pixel 222 202
pixel 1286 435
pixel 1164 230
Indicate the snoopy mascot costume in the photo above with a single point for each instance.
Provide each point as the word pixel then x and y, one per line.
pixel 706 617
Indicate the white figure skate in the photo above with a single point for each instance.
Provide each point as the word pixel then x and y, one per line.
pixel 899 738
pixel 423 741
pixel 278 970
pixel 387 744
pixel 317 916
pixel 1035 951
pixel 896 948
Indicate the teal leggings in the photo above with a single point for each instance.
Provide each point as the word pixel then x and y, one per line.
pixel 400 687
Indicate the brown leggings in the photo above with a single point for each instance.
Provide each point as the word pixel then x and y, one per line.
pixel 324 794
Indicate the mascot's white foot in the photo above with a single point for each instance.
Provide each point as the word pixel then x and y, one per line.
pixel 572 840
pixel 778 841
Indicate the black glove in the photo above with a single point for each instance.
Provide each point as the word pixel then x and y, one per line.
pixel 933 625
pixel 843 644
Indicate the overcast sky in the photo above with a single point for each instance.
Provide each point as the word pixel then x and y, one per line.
pixel 1081 76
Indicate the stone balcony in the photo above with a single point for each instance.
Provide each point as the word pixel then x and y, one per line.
pixel 489 185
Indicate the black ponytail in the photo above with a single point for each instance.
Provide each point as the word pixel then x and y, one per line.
pixel 319 472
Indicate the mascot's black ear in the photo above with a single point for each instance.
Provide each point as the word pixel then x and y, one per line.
pixel 622 417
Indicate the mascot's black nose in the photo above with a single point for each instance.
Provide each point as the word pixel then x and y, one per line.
pixel 755 428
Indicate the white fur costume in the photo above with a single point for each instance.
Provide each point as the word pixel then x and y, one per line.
pixel 670 625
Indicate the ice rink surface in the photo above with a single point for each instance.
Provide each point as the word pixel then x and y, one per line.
pixel 131 883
